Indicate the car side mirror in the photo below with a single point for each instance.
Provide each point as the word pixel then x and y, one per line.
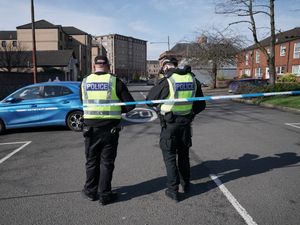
pixel 13 100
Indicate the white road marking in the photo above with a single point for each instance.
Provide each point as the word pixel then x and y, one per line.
pixel 143 95
pixel 297 125
pixel 239 208
pixel 144 115
pixel 25 143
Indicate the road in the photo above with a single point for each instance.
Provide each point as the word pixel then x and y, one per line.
pixel 252 153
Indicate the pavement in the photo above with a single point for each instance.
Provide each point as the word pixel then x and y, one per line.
pixel 245 162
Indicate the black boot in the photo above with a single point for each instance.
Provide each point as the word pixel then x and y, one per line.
pixel 107 198
pixel 91 197
pixel 172 195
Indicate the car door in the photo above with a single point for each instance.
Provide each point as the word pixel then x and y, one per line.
pixel 55 104
pixel 22 110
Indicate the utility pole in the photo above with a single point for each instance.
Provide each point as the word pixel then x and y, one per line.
pixel 33 44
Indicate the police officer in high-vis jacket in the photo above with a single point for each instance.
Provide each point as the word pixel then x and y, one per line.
pixel 176 118
pixel 101 128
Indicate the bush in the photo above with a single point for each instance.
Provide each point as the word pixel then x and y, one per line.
pixel 248 88
pixel 220 78
pixel 288 77
pixel 244 76
pixel 280 87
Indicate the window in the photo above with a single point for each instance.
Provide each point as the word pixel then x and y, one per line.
pixel 297 50
pixel 282 50
pixel 241 72
pixel 268 51
pixel 14 43
pixel 296 69
pixel 28 93
pixel 258 73
pixel 267 73
pixel 3 44
pixel 247 59
pixel 66 91
pixel 247 72
pixel 55 91
pixel 280 70
pixel 257 56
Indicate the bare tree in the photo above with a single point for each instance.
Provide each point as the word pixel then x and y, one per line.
pixel 247 10
pixel 214 49
pixel 12 56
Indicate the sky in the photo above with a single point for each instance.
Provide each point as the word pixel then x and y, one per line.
pixel 150 20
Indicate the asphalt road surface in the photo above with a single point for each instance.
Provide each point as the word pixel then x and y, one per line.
pixel 245 170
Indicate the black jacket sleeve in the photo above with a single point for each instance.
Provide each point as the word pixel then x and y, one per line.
pixel 198 106
pixel 159 91
pixel 124 95
pixel 80 92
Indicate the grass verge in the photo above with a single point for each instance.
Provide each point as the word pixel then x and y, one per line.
pixel 287 101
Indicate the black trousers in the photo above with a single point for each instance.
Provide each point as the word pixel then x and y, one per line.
pixel 100 151
pixel 175 141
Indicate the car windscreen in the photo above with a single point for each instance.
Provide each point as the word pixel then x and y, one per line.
pixel 28 93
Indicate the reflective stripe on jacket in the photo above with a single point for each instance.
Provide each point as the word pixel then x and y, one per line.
pixel 96 90
pixel 180 86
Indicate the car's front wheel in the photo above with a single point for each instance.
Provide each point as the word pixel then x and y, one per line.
pixel 75 120
pixel 2 127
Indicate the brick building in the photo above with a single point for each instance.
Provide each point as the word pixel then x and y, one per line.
pixel 253 63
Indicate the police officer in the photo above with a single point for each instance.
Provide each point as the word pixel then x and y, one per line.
pixel 176 118
pixel 101 129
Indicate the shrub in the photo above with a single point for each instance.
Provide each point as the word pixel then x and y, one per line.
pixel 288 77
pixel 280 87
pixel 248 88
pixel 244 76
pixel 220 78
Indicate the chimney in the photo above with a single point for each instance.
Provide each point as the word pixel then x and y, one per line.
pixel 202 40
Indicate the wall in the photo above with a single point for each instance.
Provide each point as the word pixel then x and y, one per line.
pixel 10 82
pixel 84 42
pixel 46 39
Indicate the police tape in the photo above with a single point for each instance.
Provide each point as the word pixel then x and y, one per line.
pixel 205 98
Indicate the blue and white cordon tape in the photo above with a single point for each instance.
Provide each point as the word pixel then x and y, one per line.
pixel 206 98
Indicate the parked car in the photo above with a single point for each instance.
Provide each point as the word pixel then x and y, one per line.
pixel 43 104
pixel 203 84
pixel 151 81
pixel 235 85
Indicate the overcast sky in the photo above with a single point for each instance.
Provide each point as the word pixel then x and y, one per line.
pixel 150 20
